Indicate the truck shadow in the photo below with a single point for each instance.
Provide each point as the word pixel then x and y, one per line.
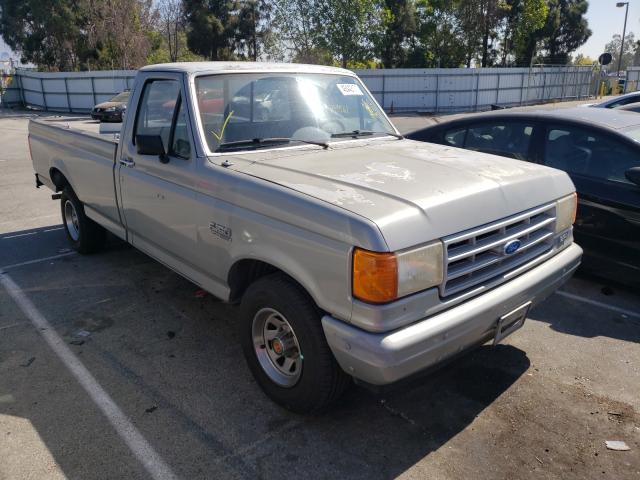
pixel 581 319
pixel 171 360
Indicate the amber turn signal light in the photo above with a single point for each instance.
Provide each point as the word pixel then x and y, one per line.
pixel 375 276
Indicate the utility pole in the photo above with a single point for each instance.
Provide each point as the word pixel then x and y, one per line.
pixel 624 31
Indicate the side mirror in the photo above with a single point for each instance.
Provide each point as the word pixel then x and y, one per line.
pixel 151 145
pixel 183 148
pixel 633 175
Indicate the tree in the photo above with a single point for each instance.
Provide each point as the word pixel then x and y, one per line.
pixel 470 27
pixel 211 27
pixel 118 32
pixel 565 30
pixel 47 33
pixel 529 17
pixel 398 25
pixel 254 28
pixel 438 42
pixel 78 34
pixel 348 28
pixel 613 47
pixel 479 22
pixel 172 26
pixel 583 60
pixel 160 50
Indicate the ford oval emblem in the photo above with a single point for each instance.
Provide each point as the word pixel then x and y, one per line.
pixel 512 247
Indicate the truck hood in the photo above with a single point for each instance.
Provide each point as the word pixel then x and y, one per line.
pixel 413 191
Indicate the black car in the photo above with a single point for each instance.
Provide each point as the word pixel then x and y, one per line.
pixel 111 110
pixel 599 149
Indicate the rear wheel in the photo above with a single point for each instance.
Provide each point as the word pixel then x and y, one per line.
pixel 85 235
pixel 285 347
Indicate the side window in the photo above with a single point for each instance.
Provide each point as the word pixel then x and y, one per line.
pixel 509 139
pixel 455 138
pixel 155 114
pixel 584 152
pixel 181 146
pixel 625 101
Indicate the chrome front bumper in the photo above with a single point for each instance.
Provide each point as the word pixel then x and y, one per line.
pixel 383 358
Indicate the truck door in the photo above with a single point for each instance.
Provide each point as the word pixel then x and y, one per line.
pixel 157 190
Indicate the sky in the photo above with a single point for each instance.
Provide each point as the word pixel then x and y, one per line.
pixel 3 47
pixel 605 20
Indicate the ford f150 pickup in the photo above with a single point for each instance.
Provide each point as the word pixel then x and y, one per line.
pixel 284 188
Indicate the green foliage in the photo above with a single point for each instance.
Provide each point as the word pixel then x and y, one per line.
pixel 45 32
pixel 253 31
pixel 78 34
pixel 565 30
pixel 348 28
pixel 211 28
pixel 582 60
pixel 160 50
pixel 399 23
pixel 529 22
pixel 90 34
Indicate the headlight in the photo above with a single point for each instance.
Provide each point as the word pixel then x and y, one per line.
pixel 110 109
pixel 566 209
pixel 381 277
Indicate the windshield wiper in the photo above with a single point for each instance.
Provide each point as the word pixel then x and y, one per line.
pixel 363 133
pixel 266 142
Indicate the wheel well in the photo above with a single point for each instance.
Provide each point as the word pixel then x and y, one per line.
pixel 243 273
pixel 58 179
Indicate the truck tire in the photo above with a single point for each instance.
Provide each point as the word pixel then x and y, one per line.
pixel 285 347
pixel 85 235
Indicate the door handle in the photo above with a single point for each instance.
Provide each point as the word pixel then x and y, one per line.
pixel 127 162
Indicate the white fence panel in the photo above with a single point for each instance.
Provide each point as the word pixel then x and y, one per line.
pixel 464 89
pixel 402 89
pixel 69 91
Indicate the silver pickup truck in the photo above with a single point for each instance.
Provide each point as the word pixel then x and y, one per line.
pixel 351 251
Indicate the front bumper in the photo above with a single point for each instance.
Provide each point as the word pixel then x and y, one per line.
pixel 383 358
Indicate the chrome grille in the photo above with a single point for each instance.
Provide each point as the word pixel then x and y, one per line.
pixel 476 257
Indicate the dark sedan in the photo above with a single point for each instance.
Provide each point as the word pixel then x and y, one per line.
pixel 111 110
pixel 599 149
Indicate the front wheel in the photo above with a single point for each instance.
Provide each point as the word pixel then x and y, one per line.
pixel 285 346
pixel 85 235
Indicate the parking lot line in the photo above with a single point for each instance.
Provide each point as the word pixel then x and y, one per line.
pixel 596 303
pixel 139 446
pixel 37 260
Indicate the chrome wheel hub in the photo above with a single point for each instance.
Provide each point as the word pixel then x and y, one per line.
pixel 71 220
pixel 276 347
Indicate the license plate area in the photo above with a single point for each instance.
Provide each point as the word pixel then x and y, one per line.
pixel 509 323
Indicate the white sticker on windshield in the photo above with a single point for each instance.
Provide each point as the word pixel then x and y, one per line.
pixel 349 89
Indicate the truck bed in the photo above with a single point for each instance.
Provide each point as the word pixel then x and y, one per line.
pixel 76 149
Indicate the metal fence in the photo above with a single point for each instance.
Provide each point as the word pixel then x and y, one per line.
pixel 632 79
pixel 65 91
pixel 465 89
pixel 398 90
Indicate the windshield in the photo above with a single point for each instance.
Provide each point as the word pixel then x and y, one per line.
pixel 249 111
pixel 121 97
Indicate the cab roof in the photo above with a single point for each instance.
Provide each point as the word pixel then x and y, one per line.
pixel 231 67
